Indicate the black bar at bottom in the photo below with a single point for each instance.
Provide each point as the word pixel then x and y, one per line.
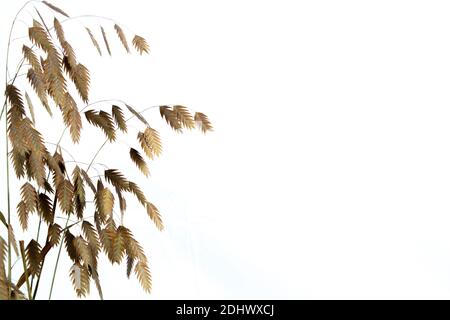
pixel 230 309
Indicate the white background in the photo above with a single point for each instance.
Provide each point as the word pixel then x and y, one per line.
pixel 328 174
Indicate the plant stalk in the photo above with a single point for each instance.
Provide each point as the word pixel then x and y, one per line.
pixel 22 252
pixel 57 262
pixel 8 197
pixel 55 202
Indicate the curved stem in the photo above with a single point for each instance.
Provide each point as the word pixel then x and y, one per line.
pixel 85 16
pixel 11 82
pixel 8 47
pixel 11 30
pixel 106 141
pixel 99 18
pixel 58 145
pixel 84 108
pixel 102 101
pixel 73 158
pixel 141 112
pixel 86 164
pixel 22 22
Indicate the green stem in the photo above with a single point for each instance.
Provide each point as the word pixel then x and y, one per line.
pixel 67 227
pixel 55 201
pixel 39 225
pixel 57 262
pixel 97 153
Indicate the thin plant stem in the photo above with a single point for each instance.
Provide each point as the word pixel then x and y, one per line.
pixel 37 239
pixel 66 227
pixel 85 16
pixel 8 197
pixel 75 223
pixel 22 252
pixel 141 112
pixel 86 164
pixel 39 227
pixel 43 260
pixel 38 281
pixel 57 262
pixel 65 218
pixel 97 153
pixel 12 82
pixel 8 47
pixel 15 262
pixel 11 30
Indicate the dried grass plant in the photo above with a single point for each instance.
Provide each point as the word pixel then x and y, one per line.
pixel 49 184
